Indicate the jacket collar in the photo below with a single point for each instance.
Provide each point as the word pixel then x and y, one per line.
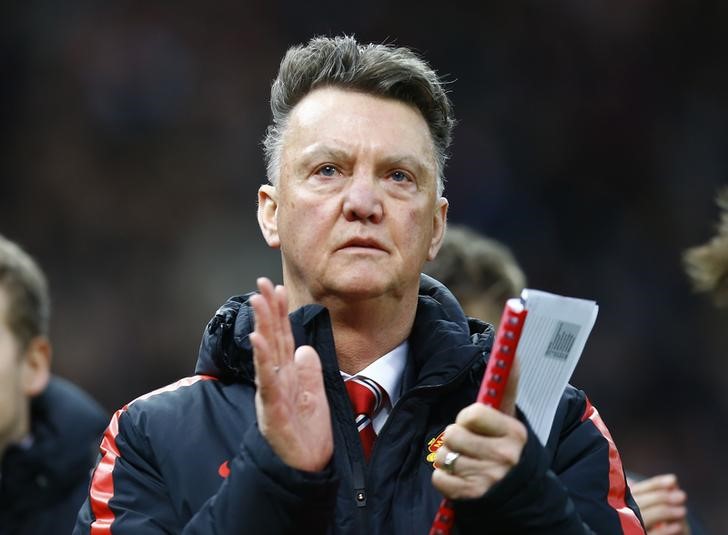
pixel 443 341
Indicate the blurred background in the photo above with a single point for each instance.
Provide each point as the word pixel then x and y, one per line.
pixel 592 138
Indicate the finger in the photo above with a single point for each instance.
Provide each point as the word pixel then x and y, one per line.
pixel 463 466
pixel 663 481
pixel 662 513
pixel 266 318
pixel 261 304
pixel 276 324
pixel 470 478
pixel 261 310
pixel 454 487
pixel 308 366
pixel 265 369
pixel 449 485
pixel 503 451
pixel 670 528
pixel 262 328
pixel 487 421
pixel 657 497
pixel 286 334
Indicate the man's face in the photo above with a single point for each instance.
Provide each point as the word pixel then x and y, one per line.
pixel 13 401
pixel 355 212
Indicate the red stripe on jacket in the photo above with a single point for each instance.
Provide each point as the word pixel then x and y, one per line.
pixel 617 484
pixel 102 482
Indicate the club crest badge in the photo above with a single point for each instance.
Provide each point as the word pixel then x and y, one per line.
pixel 432 446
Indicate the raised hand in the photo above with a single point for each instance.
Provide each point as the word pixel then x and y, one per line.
pixel 290 401
pixel 662 504
pixel 488 443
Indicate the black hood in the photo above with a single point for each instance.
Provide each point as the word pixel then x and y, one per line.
pixel 226 352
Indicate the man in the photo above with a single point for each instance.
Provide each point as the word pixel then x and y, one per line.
pixel 265 439
pixel 483 274
pixel 49 429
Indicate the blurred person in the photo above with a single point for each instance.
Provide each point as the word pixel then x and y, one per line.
pixel 49 429
pixel 663 505
pixel 707 264
pixel 483 274
pixel 342 402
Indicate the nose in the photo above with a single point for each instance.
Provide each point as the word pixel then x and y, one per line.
pixel 362 200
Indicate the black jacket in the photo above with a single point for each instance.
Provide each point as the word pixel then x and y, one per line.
pixel 190 458
pixel 43 486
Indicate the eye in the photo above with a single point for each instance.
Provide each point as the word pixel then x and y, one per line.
pixel 327 170
pixel 400 176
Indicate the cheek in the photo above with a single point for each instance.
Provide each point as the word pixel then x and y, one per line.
pixel 419 224
pixel 10 396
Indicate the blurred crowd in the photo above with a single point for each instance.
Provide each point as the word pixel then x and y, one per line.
pixel 591 140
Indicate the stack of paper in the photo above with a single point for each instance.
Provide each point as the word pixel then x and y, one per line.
pixel 553 337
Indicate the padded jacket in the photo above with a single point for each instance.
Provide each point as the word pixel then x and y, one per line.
pixel 189 458
pixel 43 485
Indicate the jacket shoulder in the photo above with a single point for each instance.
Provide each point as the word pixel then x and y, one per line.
pixel 172 398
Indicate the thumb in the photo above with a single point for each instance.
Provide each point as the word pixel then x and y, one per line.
pixel 508 404
pixel 308 367
pixel 307 357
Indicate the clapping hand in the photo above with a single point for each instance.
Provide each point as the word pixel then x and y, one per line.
pixel 290 401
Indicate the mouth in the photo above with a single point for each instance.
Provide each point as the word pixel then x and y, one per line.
pixel 367 244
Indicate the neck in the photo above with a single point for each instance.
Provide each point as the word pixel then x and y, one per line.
pixel 366 329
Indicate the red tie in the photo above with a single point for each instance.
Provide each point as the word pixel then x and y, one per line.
pixel 367 397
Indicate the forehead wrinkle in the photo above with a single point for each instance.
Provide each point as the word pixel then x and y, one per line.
pixel 320 149
pixel 308 134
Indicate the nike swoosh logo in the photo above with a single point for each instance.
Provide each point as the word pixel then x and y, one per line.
pixel 224 470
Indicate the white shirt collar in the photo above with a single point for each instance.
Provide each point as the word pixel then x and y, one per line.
pixel 387 371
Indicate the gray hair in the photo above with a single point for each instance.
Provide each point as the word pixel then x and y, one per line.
pixel 29 307
pixel 378 69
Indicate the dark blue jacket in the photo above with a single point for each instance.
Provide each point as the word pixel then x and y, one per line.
pixel 189 458
pixel 42 486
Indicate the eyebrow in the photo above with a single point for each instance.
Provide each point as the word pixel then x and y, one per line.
pixel 324 151
pixel 328 152
pixel 409 162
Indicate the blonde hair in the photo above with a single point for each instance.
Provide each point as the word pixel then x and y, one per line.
pixel 707 265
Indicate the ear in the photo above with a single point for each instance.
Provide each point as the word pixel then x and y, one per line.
pixel 36 371
pixel 438 227
pixel 267 214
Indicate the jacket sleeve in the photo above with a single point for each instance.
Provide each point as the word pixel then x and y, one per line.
pixel 580 489
pixel 262 494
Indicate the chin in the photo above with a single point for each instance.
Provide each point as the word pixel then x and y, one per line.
pixel 363 287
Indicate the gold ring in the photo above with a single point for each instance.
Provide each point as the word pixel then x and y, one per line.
pixel 448 465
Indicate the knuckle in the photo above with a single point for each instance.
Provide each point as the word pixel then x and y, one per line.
pixel 467 415
pixel 476 489
pixel 520 432
pixel 453 435
pixel 449 430
pixel 505 454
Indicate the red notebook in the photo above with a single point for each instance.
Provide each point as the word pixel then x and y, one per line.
pixel 493 386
